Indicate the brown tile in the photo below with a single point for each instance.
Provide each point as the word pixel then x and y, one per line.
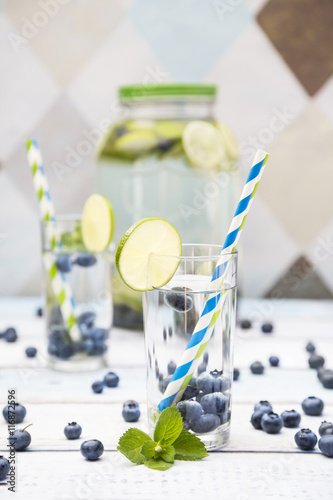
pixel 300 282
pixel 298 180
pixel 302 32
pixel 66 39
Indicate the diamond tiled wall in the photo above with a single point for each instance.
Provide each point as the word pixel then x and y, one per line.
pixel 62 60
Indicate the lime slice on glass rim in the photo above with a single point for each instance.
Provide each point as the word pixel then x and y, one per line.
pixel 203 144
pixel 97 223
pixel 143 238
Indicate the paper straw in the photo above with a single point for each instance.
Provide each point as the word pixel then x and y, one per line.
pixel 205 326
pixel 59 283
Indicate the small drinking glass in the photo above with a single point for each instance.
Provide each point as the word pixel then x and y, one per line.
pixel 86 277
pixel 171 314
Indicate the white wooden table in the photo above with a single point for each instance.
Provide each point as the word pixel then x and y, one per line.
pixel 254 465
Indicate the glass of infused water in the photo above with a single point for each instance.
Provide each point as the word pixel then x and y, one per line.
pixel 86 275
pixel 198 366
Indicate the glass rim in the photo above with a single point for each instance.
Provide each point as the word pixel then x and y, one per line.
pixel 197 257
pixel 62 218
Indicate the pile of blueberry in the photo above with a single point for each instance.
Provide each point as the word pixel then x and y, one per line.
pixel 206 402
pixel 9 335
pixel 21 438
pixel 317 362
pixel 92 341
pixel 111 379
pixel 264 418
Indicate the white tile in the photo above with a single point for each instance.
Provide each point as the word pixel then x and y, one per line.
pixel 19 241
pixel 324 99
pixel 26 90
pixel 320 253
pixel 266 250
pixel 255 85
pixel 124 59
pixel 255 5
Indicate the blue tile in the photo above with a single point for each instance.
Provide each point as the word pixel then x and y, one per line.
pixel 189 36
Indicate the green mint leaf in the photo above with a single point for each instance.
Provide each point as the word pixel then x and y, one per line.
pixel 168 453
pixel 148 449
pixel 130 444
pixel 189 447
pixel 168 427
pixel 157 463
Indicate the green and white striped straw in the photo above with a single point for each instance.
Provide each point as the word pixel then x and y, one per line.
pixel 59 283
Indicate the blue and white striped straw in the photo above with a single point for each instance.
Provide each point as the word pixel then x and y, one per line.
pixel 205 326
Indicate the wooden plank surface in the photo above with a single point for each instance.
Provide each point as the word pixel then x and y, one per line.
pixel 254 465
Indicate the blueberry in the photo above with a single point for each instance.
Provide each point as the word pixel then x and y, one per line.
pixel 16 414
pixel 1 334
pixel 64 263
pixel 274 361
pixel 291 418
pixel 10 335
pixel 20 438
pixel 163 384
pixel 213 382
pixel 171 367
pixel 271 422
pixel 86 319
pixel 73 430
pixel 202 368
pixel 65 351
pixel 85 260
pixel 236 374
pixel 39 311
pixel 316 361
pixel 131 411
pixel 180 302
pixel 267 327
pixel 327 379
pixel 92 449
pixel 98 387
pixel 111 379
pixel 189 410
pixel 192 389
pixel 312 406
pixel 326 428
pixel 305 439
pixel 257 416
pixel 98 334
pixel 326 445
pixel 245 324
pixel 4 467
pixel 214 403
pixel 310 347
pixel 207 422
pixel 257 368
pixel 225 417
pixel 263 405
pixel 97 348
pixel 165 144
pixel 31 352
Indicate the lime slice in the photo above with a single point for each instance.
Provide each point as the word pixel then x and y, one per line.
pixel 145 237
pixel 230 141
pixel 203 144
pixel 97 223
pixel 136 142
pixel 169 129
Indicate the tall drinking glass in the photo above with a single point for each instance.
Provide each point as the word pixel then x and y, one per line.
pixel 88 277
pixel 170 316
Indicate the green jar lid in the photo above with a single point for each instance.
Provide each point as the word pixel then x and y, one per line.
pixel 167 91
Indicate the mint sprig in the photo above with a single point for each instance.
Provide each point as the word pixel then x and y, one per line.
pixel 170 443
